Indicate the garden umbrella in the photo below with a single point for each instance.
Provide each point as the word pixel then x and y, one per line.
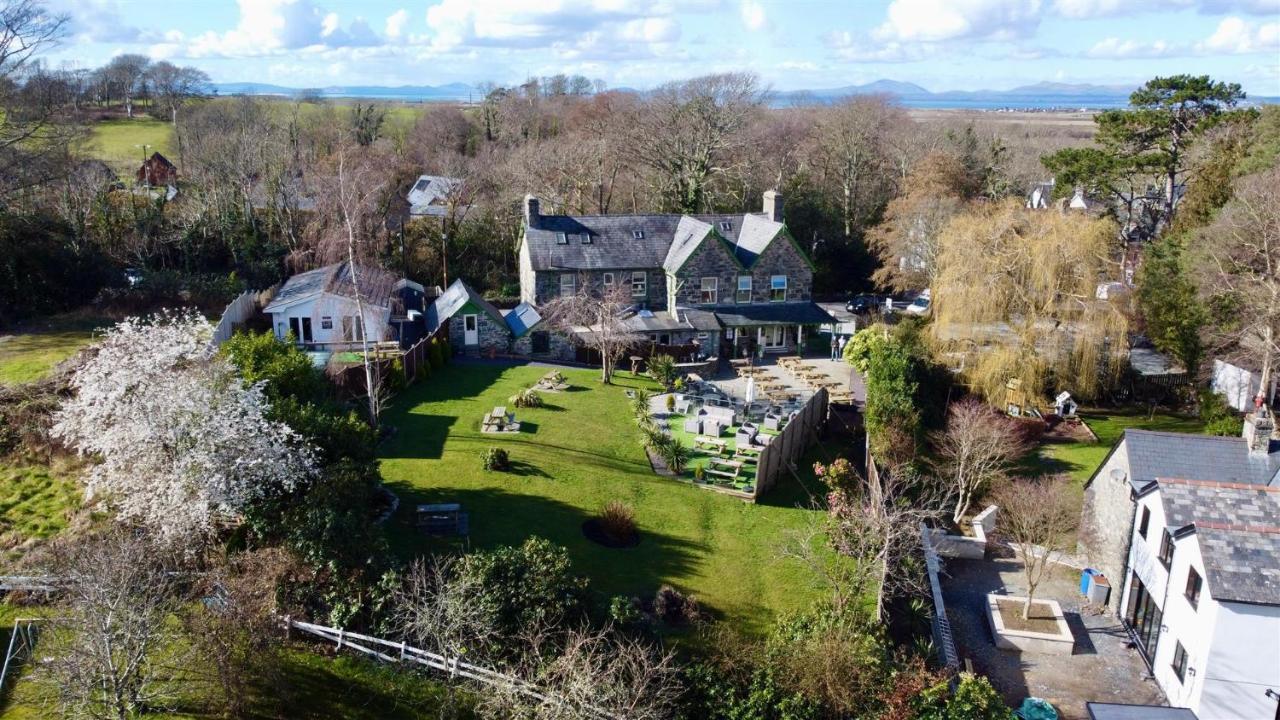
pixel 751 390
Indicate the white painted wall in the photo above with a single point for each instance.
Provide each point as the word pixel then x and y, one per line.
pixel 1244 661
pixel 528 280
pixel 1193 627
pixel 334 307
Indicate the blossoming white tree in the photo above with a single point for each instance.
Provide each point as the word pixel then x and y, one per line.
pixel 184 444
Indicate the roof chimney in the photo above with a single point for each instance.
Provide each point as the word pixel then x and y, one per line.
pixel 1258 428
pixel 531 211
pixel 773 205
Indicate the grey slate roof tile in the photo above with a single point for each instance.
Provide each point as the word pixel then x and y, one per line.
pixel 1238 528
pixel 1196 457
pixel 377 286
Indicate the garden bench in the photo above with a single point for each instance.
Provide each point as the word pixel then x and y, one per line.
pixel 710 442
pixel 722 473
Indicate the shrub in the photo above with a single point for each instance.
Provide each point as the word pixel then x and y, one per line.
pixel 699 473
pixel 525 588
pixel 495 458
pixel 675 454
pixel 435 354
pixel 526 398
pixel 663 369
pixel 972 699
pixel 1219 417
pixel 679 384
pixel 394 380
pixel 286 370
pixel 625 611
pixel 675 608
pixel 654 438
pixel 640 401
pixel 618 521
pixel 671 403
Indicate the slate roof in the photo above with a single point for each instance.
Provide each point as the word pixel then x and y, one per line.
pixel 377 286
pixel 1238 528
pixel 664 242
pixel 773 314
pixel 1196 457
pixel 430 193
pixel 1116 711
pixel 454 299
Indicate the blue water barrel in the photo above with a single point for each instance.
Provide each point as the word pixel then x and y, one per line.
pixel 1086 580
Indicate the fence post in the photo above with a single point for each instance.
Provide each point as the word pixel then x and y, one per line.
pixel 288 626
pixel 341 634
pixel 402 650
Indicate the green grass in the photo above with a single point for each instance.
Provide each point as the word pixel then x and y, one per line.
pixel 35 503
pixel 1079 460
pixel 28 357
pixel 571 457
pixel 116 142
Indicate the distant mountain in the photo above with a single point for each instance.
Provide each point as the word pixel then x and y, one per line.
pixel 451 91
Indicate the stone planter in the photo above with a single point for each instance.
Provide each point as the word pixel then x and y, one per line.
pixel 1061 642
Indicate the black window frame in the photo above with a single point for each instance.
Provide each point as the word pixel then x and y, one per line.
pixel 1195 585
pixel 1179 663
pixel 1166 550
pixel 1145 523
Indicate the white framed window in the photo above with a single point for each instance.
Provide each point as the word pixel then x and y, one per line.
pixel 607 280
pixel 778 288
pixel 562 239
pixel 352 329
pixel 726 225
pixel 709 290
pixel 639 283
pixel 744 289
pixel 586 238
pixel 326 323
pixel 567 285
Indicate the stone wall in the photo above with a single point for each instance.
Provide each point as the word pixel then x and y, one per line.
pixel 1106 520
pixel 711 259
pixel 782 257
pixel 492 336
pixel 559 347
pixel 547 285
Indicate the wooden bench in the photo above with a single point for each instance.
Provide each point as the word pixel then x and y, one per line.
pixel 734 465
pixel 721 473
pixel 710 442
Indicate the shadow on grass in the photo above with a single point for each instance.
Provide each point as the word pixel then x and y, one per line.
pixel 498 518
pixel 525 469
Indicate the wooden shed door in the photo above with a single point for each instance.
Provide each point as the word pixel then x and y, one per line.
pixel 470 335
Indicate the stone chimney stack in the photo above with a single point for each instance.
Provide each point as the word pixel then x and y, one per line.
pixel 773 205
pixel 531 211
pixel 1258 428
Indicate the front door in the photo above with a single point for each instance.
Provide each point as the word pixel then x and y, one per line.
pixel 301 327
pixel 470 333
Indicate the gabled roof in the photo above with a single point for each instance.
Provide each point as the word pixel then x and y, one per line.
pixel 523 318
pixel 377 286
pixel 430 193
pixel 1116 711
pixel 456 297
pixel 1238 528
pixel 805 313
pixel 664 241
pixel 1196 457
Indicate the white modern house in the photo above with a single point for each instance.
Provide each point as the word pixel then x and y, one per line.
pixel 319 311
pixel 1201 594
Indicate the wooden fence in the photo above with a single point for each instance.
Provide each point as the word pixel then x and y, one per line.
pixel 349 379
pixel 786 448
pixel 235 315
pixel 399 652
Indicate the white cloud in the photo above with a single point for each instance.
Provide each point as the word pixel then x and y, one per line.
pixel 1116 48
pixel 943 20
pixel 396 22
pixel 1084 9
pixel 520 24
pixel 753 15
pixel 1237 37
pixel 846 46
pixel 272 26
pixel 98 21
pixel 651 30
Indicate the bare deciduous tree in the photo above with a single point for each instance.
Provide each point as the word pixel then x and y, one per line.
pixel 1036 516
pixel 1240 275
pixel 111 655
pixel 598 317
pixel 851 147
pixel 975 450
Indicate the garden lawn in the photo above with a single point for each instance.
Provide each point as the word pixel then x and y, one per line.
pixel 117 142
pixel 571 457
pixel 28 357
pixel 1081 459
pixel 35 504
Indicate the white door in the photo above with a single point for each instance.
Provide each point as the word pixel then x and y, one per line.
pixel 470 335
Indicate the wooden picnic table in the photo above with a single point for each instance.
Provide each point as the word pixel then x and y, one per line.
pixel 708 441
pixel 724 462
pixel 740 362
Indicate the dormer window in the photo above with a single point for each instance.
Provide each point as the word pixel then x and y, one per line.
pixel 637 234
pixel 726 226
pixel 562 239
pixel 586 238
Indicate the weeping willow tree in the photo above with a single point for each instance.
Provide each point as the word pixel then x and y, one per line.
pixel 1016 299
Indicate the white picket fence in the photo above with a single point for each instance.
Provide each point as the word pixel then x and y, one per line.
pixel 454 666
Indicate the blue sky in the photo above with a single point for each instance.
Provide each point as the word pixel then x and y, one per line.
pixel 939 44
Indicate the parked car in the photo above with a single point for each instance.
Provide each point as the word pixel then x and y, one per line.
pixel 862 304
pixel 919 306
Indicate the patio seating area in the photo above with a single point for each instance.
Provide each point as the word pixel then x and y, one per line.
pixel 500 421
pixel 726 436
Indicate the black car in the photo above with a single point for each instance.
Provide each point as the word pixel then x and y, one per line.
pixel 862 304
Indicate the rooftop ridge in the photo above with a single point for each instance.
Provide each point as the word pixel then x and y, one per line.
pixel 1225 484
pixel 1198 436
pixel 1234 527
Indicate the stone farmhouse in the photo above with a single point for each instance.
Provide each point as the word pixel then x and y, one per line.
pixel 730 283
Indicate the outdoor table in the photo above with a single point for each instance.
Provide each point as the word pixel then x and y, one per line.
pixel 703 440
pixel 735 465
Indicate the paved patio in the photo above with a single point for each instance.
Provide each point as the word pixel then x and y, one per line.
pixel 1103 667
pixel 835 371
